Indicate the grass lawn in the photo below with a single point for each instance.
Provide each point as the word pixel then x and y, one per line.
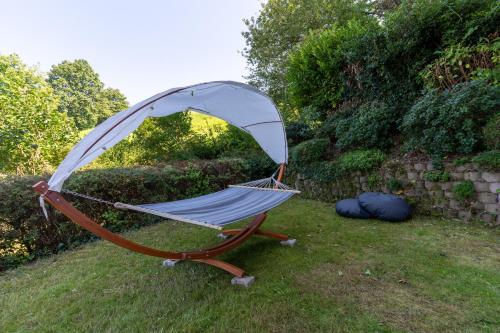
pixel 427 275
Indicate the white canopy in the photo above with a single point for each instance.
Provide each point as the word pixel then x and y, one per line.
pixel 239 104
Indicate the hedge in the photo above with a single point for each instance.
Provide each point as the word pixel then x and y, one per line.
pixel 309 151
pixel 323 170
pixel 25 234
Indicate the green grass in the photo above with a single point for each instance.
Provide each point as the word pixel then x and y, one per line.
pixel 427 275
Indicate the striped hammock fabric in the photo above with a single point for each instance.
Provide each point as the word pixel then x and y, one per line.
pixel 215 210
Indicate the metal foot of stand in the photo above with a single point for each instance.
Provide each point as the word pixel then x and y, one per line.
pixel 245 281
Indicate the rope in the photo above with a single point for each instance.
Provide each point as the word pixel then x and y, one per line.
pixel 268 183
pixel 84 196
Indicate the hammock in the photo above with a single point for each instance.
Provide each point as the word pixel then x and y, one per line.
pixel 217 209
pixel 240 105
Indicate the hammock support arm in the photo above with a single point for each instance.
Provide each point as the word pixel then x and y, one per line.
pixel 56 200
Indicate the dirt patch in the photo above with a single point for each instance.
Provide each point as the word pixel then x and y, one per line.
pixel 473 252
pixel 391 299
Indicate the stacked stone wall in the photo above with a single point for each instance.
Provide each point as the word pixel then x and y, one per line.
pixel 411 181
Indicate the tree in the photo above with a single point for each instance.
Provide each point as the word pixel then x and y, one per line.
pixel 110 101
pixel 316 69
pixel 279 27
pixel 82 94
pixel 34 136
pixel 157 139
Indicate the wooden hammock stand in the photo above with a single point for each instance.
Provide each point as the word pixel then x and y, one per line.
pixel 206 256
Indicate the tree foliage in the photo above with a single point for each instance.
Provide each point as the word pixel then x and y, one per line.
pixel 383 61
pixel 369 125
pixel 309 151
pixel 361 80
pixel 459 63
pixel 110 101
pixel 82 94
pixel 315 70
pixel 451 121
pixel 279 27
pixel 491 132
pixel 39 116
pixel 158 139
pixel 33 135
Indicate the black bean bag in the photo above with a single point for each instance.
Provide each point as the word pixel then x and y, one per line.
pixel 351 208
pixel 386 207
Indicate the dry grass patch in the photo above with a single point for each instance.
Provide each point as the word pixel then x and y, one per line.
pixel 391 298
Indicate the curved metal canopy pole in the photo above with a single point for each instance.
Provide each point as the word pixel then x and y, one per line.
pixel 56 200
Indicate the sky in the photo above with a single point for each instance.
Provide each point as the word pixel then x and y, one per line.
pixel 141 47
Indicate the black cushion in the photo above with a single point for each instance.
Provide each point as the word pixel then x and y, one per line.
pixel 351 208
pixel 386 207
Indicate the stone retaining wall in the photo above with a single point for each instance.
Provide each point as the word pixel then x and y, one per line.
pixel 427 197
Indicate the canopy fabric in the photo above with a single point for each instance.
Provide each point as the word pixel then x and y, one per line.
pixel 239 104
pixel 218 209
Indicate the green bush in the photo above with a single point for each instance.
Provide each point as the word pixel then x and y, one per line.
pixel 323 171
pixel 309 151
pixel 26 235
pixel 374 181
pixel 451 121
pixel 172 138
pixel 297 132
pixel 359 63
pixel 488 159
pixel 156 140
pixel 459 63
pixel 394 185
pixel 461 161
pixel 234 142
pixel 315 69
pixel 361 160
pixel 258 165
pixel 367 126
pixel 463 191
pixel 384 64
pixel 326 171
pixel 491 132
pixel 437 176
pixel 420 31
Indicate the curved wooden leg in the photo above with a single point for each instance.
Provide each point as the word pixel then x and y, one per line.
pixel 230 232
pixel 259 232
pixel 270 234
pixel 204 256
pixel 59 203
pixel 236 271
